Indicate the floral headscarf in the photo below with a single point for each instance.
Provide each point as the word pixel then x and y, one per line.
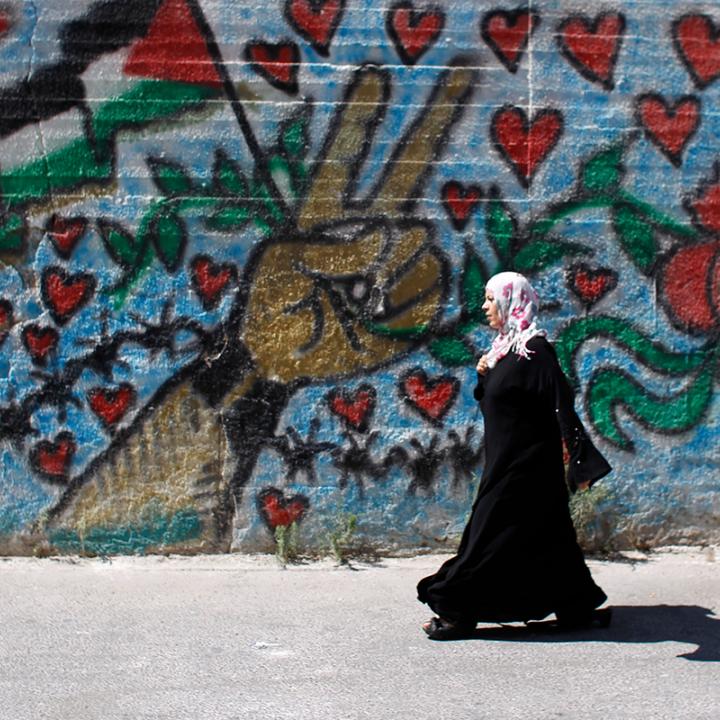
pixel 517 304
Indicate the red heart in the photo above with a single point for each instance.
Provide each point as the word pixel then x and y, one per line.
pixel 355 409
pixel 705 205
pixel 65 232
pixel 277 63
pixel 210 279
pixel 5 22
pixel 432 399
pixel 52 459
pixel 279 511
pixel 507 34
pixel 315 21
pixel 697 42
pixel 414 32
pixel 39 341
pixel 690 287
pixel 591 285
pixel 592 46
pixel 111 405
pixel 460 202
pixel 65 294
pixel 6 318
pixel 525 145
pixel 670 128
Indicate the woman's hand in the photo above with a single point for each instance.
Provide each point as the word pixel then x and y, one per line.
pixel 482 366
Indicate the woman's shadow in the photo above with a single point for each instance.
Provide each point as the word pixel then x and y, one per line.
pixel 630 624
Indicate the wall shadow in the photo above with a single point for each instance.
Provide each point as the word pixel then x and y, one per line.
pixel 690 624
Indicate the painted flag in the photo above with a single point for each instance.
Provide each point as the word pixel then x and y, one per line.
pixel 124 65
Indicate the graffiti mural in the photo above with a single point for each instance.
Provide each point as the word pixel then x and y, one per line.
pixel 244 254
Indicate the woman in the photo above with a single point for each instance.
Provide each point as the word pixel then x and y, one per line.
pixel 518 558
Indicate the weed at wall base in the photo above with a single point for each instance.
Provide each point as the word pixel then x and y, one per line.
pixel 339 537
pixel 286 543
pixel 592 518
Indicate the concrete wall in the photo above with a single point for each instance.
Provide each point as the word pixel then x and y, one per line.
pixel 245 246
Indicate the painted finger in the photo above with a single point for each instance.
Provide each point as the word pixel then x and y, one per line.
pixel 353 126
pixel 347 249
pixel 412 279
pixel 416 297
pixel 423 142
pixel 411 239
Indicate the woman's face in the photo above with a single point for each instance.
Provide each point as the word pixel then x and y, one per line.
pixel 491 311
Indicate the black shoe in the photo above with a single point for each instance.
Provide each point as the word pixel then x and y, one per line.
pixel 439 629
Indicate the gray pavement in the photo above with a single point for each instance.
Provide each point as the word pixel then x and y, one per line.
pixel 223 637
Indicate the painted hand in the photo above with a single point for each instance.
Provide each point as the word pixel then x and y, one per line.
pixel 359 284
pixel 331 298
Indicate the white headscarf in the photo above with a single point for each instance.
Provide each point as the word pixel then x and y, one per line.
pixel 517 304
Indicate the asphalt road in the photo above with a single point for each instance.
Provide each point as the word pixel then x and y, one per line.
pixel 223 637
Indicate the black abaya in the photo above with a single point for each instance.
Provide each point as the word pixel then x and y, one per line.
pixel 518 558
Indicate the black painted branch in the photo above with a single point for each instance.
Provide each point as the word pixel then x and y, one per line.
pixel 262 166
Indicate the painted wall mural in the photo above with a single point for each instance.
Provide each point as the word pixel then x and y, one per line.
pixel 244 249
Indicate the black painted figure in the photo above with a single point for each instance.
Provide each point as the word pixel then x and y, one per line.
pixel 518 558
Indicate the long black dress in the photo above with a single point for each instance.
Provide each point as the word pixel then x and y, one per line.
pixel 518 558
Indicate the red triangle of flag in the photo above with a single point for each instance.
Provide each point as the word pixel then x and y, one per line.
pixel 173 49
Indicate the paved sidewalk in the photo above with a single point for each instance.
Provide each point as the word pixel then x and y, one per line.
pixel 237 637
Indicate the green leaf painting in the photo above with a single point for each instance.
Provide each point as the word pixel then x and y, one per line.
pixel 637 237
pixel 119 243
pixel 229 217
pixel 12 232
pixel 540 254
pixel 603 171
pixel 451 352
pixel 170 177
pixel 229 180
pixel 472 286
pixel 169 237
pixel 501 228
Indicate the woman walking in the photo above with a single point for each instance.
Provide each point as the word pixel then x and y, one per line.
pixel 518 558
